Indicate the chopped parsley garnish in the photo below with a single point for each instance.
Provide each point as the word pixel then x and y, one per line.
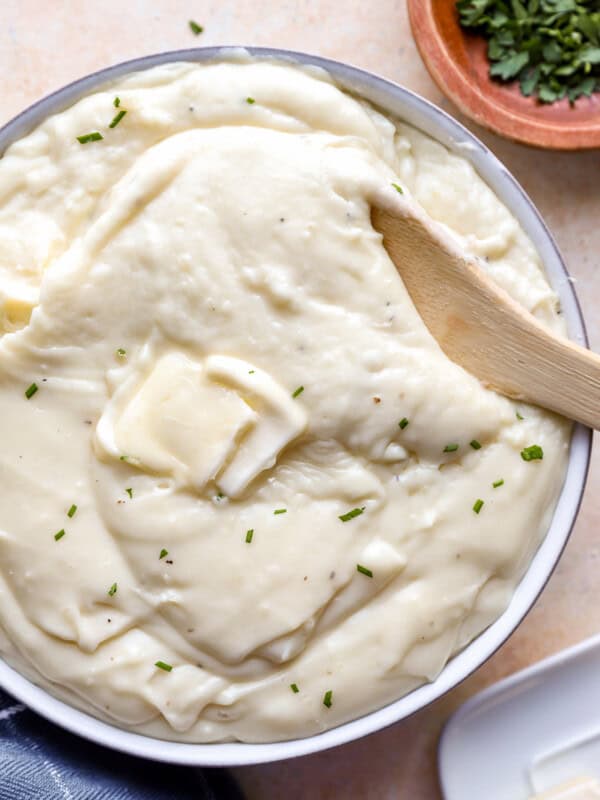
pixel 195 28
pixel 123 458
pixel 250 101
pixel 450 448
pixel 298 391
pixel 72 511
pixel 113 590
pixel 163 665
pixel 59 535
pixel 117 118
pixel 403 423
pixel 31 390
pixel 327 698
pixel 95 136
pixel 552 47
pixel 519 416
pixel 163 554
pixel 294 688
pixel 364 570
pixel 356 512
pixel 475 444
pixel 532 453
pixel 249 535
pixel 280 511
pixel 478 506
pixel 251 372
pixel 121 353
pixel 498 483
pixel 398 188
pixel 117 102
pixel 129 492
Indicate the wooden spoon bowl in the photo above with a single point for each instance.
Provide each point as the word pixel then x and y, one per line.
pixel 457 61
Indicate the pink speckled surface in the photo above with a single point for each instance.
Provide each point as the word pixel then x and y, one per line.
pixel 43 45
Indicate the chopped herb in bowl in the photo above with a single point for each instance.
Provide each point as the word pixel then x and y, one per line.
pixel 552 47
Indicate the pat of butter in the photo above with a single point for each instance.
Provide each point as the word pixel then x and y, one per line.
pixel 578 789
pixel 221 420
pixel 281 419
pixel 16 304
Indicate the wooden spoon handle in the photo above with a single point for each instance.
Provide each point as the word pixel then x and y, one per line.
pixel 480 326
pixel 562 376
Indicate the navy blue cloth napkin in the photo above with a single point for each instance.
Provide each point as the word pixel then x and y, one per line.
pixel 39 761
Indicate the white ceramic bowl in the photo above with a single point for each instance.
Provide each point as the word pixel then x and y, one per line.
pixel 423 115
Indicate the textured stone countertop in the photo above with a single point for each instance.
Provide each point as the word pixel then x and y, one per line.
pixel 44 45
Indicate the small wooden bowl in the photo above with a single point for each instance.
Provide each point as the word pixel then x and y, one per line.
pixel 457 61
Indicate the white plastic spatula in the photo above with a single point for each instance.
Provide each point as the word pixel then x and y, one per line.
pixel 478 325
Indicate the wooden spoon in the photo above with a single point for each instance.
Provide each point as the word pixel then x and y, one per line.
pixel 478 325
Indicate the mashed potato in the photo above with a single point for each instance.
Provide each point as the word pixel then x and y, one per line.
pixel 245 494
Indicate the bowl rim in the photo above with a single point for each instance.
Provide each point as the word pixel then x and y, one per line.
pixel 410 107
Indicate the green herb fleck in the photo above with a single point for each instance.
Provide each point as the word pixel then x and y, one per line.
pixel 72 511
pixel 123 458
pixel 96 136
pixel 364 570
pixel 59 535
pixel 280 511
pixel 163 554
pixel 475 444
pixel 298 391
pixel 532 453
pixel 249 535
pixel 195 28
pixel 163 665
pixel 250 101
pixel 519 417
pixel 498 483
pixel 251 372
pixel 398 188
pixel 478 506
pixel 31 390
pixel 113 590
pixel 117 102
pixel 403 423
pixel 356 512
pixel 327 698
pixel 450 448
pixel 121 353
pixel 129 492
pixel 552 47
pixel 294 688
pixel 117 118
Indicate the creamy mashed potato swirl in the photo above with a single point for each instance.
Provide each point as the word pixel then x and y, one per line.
pixel 273 464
